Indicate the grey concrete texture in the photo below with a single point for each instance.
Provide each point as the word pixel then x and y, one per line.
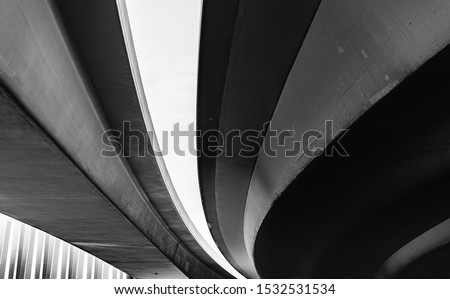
pixel 382 210
pixel 39 64
pixel 263 39
pixel 354 53
pixel 102 37
pixel 43 187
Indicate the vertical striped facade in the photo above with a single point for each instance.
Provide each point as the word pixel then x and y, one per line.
pixel 28 253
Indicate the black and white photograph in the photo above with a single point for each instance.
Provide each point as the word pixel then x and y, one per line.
pixel 234 148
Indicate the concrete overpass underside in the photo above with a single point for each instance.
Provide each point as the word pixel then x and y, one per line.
pixel 343 217
pixel 280 216
pixel 43 187
pixel 68 74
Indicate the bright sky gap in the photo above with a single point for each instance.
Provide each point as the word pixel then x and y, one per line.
pixel 166 37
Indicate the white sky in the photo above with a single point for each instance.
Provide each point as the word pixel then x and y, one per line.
pixel 166 37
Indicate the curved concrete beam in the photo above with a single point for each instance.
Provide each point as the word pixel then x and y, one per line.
pixel 114 73
pixel 342 217
pixel 429 241
pixel 260 40
pixel 354 54
pixel 41 186
pixel 39 64
pixel 218 18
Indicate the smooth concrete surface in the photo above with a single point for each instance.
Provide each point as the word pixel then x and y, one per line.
pixel 43 187
pixel 429 266
pixel 215 42
pixel 260 40
pixel 102 37
pixel 40 66
pixel 354 54
pixel 427 242
pixel 344 217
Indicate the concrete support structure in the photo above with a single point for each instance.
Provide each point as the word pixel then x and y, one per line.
pixel 382 211
pixel 67 79
pixel 354 54
pixel 68 74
